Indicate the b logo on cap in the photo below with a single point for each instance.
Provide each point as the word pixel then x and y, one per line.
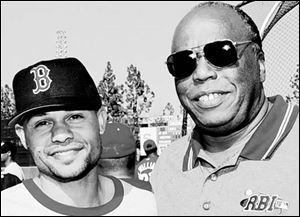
pixel 41 78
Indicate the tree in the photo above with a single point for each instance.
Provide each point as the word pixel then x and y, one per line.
pixel 159 121
pixel 169 109
pixel 184 121
pixel 294 84
pixel 111 95
pixel 8 108
pixel 138 95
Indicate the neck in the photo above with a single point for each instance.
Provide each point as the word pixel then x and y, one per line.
pixel 152 154
pixel 118 174
pixel 86 192
pixel 218 144
pixel 7 162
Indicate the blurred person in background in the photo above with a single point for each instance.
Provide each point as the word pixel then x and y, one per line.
pixel 144 167
pixel 8 154
pixel 118 157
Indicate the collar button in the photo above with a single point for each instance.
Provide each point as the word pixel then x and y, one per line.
pixel 206 205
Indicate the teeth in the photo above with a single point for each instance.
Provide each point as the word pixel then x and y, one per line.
pixel 204 98
pixel 209 97
pixel 216 95
pixel 63 152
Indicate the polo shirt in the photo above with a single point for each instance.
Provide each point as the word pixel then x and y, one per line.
pixel 261 178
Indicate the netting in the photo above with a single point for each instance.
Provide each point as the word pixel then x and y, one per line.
pixel 281 47
pixel 284 7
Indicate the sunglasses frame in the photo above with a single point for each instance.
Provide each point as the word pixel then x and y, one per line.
pixel 198 52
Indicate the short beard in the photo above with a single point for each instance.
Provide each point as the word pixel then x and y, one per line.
pixel 88 168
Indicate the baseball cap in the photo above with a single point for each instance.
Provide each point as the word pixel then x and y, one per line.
pixel 54 84
pixel 149 145
pixel 117 141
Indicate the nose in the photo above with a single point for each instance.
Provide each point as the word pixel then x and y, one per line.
pixel 203 71
pixel 61 133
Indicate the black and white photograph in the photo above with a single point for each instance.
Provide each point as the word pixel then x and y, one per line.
pixel 149 108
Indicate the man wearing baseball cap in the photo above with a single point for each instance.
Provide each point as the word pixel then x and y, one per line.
pixel 144 168
pixel 118 154
pixel 60 120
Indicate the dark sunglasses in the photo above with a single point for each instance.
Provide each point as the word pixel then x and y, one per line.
pixel 219 54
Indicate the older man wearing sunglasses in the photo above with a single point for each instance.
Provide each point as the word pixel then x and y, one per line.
pixel 242 156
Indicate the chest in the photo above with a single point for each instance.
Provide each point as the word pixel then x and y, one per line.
pixel 252 188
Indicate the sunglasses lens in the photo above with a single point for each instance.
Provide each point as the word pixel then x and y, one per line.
pixel 181 64
pixel 220 53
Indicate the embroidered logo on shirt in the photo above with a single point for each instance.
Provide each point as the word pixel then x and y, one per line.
pixel 263 203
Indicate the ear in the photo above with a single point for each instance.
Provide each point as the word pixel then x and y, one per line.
pixel 21 134
pixel 102 119
pixel 261 63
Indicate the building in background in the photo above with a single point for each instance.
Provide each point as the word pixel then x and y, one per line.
pixel 163 132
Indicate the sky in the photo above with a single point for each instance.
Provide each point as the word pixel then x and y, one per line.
pixel 124 33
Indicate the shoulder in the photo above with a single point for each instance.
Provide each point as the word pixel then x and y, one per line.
pixel 9 180
pixel 170 162
pixel 173 155
pixel 142 185
pixel 12 191
pixel 288 151
pixel 286 128
pixel 137 190
pixel 13 198
pixel 137 199
pixel 13 167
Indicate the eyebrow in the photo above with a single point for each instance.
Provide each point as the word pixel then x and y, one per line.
pixel 39 114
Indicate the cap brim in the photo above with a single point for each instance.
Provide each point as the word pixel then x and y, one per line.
pixel 18 117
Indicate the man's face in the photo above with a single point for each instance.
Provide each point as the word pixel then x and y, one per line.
pixel 64 143
pixel 219 100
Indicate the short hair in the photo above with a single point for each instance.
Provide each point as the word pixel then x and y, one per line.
pixel 252 27
pixel 9 146
pixel 154 150
pixel 125 164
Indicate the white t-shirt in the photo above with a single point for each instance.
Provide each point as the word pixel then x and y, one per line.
pixel 14 169
pixel 27 199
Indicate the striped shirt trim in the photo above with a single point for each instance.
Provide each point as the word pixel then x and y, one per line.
pixel 188 158
pixel 267 137
pixel 269 134
pixel 57 207
pixel 190 154
pixel 289 120
pixel 280 131
pixel 144 185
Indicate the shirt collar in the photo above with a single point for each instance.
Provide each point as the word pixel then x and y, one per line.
pixel 268 136
pixel 262 144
